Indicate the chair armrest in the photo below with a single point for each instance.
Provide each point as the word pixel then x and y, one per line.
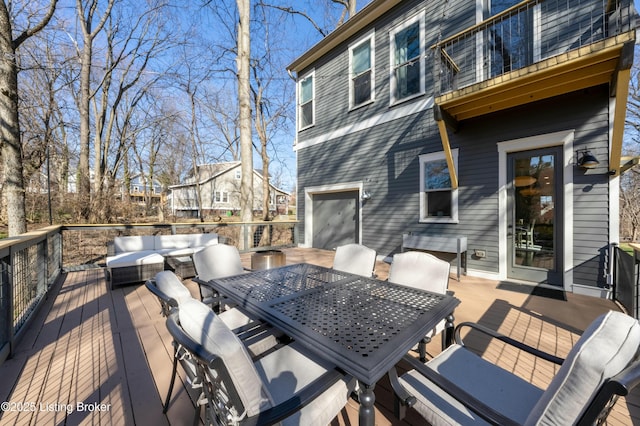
pixel 515 343
pixel 621 384
pixel 298 401
pixel 481 409
pixel 164 299
pixel 406 399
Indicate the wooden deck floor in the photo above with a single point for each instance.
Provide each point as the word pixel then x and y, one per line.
pixel 96 356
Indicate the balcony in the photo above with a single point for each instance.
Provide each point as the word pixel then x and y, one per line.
pixel 110 351
pixel 534 50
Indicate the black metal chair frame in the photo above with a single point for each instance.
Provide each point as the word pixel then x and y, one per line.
pixel 220 402
pixel 596 413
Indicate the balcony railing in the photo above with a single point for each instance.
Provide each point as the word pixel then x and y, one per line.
pixel 31 263
pixel 527 33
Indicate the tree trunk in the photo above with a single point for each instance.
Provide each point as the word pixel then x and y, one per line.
pixel 244 101
pixel 13 188
pixel 83 180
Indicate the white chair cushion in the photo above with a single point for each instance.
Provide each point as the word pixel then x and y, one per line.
pixel 288 370
pixel 217 261
pixel 355 259
pixel 205 327
pixel 133 243
pixel 424 271
pixel 420 270
pixel 168 283
pixel 490 384
pixel 604 349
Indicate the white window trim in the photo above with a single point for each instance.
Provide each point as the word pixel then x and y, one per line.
pixel 223 195
pixel 392 80
pixel 367 38
pixel 311 74
pixel 425 158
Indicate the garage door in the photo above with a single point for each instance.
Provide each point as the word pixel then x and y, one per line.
pixel 335 219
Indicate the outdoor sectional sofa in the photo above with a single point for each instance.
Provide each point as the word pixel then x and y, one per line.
pixel 136 259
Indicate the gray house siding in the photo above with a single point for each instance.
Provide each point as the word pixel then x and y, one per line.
pixel 385 159
pixel 383 155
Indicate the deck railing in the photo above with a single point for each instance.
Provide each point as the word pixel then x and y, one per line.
pixel 527 33
pixel 31 263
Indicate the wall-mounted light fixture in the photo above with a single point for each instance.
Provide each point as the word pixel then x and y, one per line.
pixel 586 159
pixel 366 195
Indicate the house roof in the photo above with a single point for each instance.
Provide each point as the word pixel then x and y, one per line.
pixel 360 20
pixel 212 171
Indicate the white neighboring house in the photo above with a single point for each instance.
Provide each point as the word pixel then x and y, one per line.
pixel 220 192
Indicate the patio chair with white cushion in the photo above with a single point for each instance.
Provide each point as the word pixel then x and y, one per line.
pixel 355 259
pixel 256 336
pixel 426 272
pixel 284 386
pixel 458 387
pixel 216 261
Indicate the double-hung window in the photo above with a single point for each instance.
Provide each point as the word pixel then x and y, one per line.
pixel 306 97
pixel 438 199
pixel 221 196
pixel 361 59
pixel 407 59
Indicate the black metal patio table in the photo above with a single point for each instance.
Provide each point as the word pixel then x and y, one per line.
pixel 362 325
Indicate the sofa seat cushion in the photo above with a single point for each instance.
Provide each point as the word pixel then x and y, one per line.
pixel 498 388
pixel 176 252
pixel 288 370
pixel 136 258
pixel 177 241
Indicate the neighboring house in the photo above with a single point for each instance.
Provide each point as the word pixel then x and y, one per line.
pixel 473 118
pixel 220 192
pixel 142 188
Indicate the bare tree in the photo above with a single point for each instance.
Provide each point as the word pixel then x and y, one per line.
pixel 13 188
pixel 348 11
pixel 243 59
pixel 87 10
pixel 630 181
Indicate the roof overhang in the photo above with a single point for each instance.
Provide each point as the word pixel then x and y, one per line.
pixel 356 23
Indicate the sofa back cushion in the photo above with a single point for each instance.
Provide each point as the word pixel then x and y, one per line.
pixel 177 241
pixel 203 240
pixel 133 243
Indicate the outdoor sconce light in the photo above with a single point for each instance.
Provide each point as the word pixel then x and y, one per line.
pixel 365 195
pixel 586 160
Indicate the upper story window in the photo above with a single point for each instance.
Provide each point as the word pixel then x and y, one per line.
pixel 438 200
pixel 306 104
pixel 361 60
pixel 407 59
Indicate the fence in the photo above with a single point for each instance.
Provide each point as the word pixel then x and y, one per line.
pixel 31 263
pixel 627 280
